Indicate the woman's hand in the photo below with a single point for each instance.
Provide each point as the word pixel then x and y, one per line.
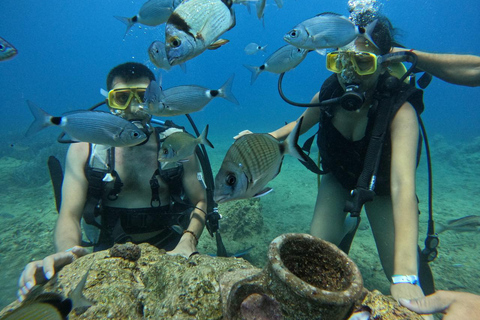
pixel 407 291
pixel 187 246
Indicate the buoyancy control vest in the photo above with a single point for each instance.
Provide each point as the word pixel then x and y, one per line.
pixel 113 225
pixel 346 159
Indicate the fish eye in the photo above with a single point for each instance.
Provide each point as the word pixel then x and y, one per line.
pixel 175 42
pixel 231 179
pixel 135 134
pixel 165 151
pixel 293 33
pixel 1 46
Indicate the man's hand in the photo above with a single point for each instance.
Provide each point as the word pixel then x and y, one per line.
pixel 403 291
pixel 38 272
pixel 455 305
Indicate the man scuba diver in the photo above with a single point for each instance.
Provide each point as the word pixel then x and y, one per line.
pixel 125 194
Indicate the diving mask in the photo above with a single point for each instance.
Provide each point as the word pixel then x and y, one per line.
pixel 362 62
pixel 122 97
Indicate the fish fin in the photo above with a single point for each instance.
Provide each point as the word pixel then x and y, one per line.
pixel 264 192
pixel 76 295
pixel 228 3
pixel 260 6
pixel 226 91
pixel 279 3
pixel 128 21
pixel 104 92
pixel 203 137
pixel 321 51
pixel 328 13
pixel 367 33
pixel 255 72
pixel 183 66
pixel 242 253
pixel 292 147
pixel 42 119
pixel 217 44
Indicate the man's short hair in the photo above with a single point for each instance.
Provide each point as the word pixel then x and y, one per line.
pixel 129 71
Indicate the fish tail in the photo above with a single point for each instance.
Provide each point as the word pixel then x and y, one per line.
pixel 42 119
pixel 203 138
pixel 128 21
pixel 367 33
pixel 226 91
pixel 255 72
pixel 439 228
pixel 292 148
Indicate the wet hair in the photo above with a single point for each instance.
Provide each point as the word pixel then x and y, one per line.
pixel 129 71
pixel 383 34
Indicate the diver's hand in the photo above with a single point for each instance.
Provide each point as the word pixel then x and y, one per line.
pixel 408 291
pixel 242 133
pixel 38 272
pixel 186 246
pixel 455 305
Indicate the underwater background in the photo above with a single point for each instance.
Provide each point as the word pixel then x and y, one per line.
pixel 66 48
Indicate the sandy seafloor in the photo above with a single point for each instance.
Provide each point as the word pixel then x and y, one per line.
pixel 28 215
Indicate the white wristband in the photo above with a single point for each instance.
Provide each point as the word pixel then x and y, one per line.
pixel 404 279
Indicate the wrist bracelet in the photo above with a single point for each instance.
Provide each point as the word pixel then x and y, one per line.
pixel 412 279
pixel 193 234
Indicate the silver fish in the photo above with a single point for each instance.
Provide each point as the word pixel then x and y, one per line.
pixel 253 48
pixel 7 51
pixel 465 224
pixel 282 60
pixel 154 96
pixel 89 126
pixel 152 13
pixel 158 56
pixel 327 30
pixel 190 98
pixel 195 26
pixel 254 160
pixel 50 306
pixel 178 146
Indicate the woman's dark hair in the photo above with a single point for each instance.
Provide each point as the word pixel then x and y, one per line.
pixel 129 71
pixel 383 35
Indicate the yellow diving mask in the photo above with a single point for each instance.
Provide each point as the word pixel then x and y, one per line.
pixel 364 63
pixel 122 97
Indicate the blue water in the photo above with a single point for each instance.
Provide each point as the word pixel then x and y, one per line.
pixel 66 48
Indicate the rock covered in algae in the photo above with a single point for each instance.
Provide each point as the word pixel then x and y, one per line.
pixel 384 307
pixel 127 251
pixel 161 286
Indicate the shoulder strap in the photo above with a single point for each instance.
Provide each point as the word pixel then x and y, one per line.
pixel 96 169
